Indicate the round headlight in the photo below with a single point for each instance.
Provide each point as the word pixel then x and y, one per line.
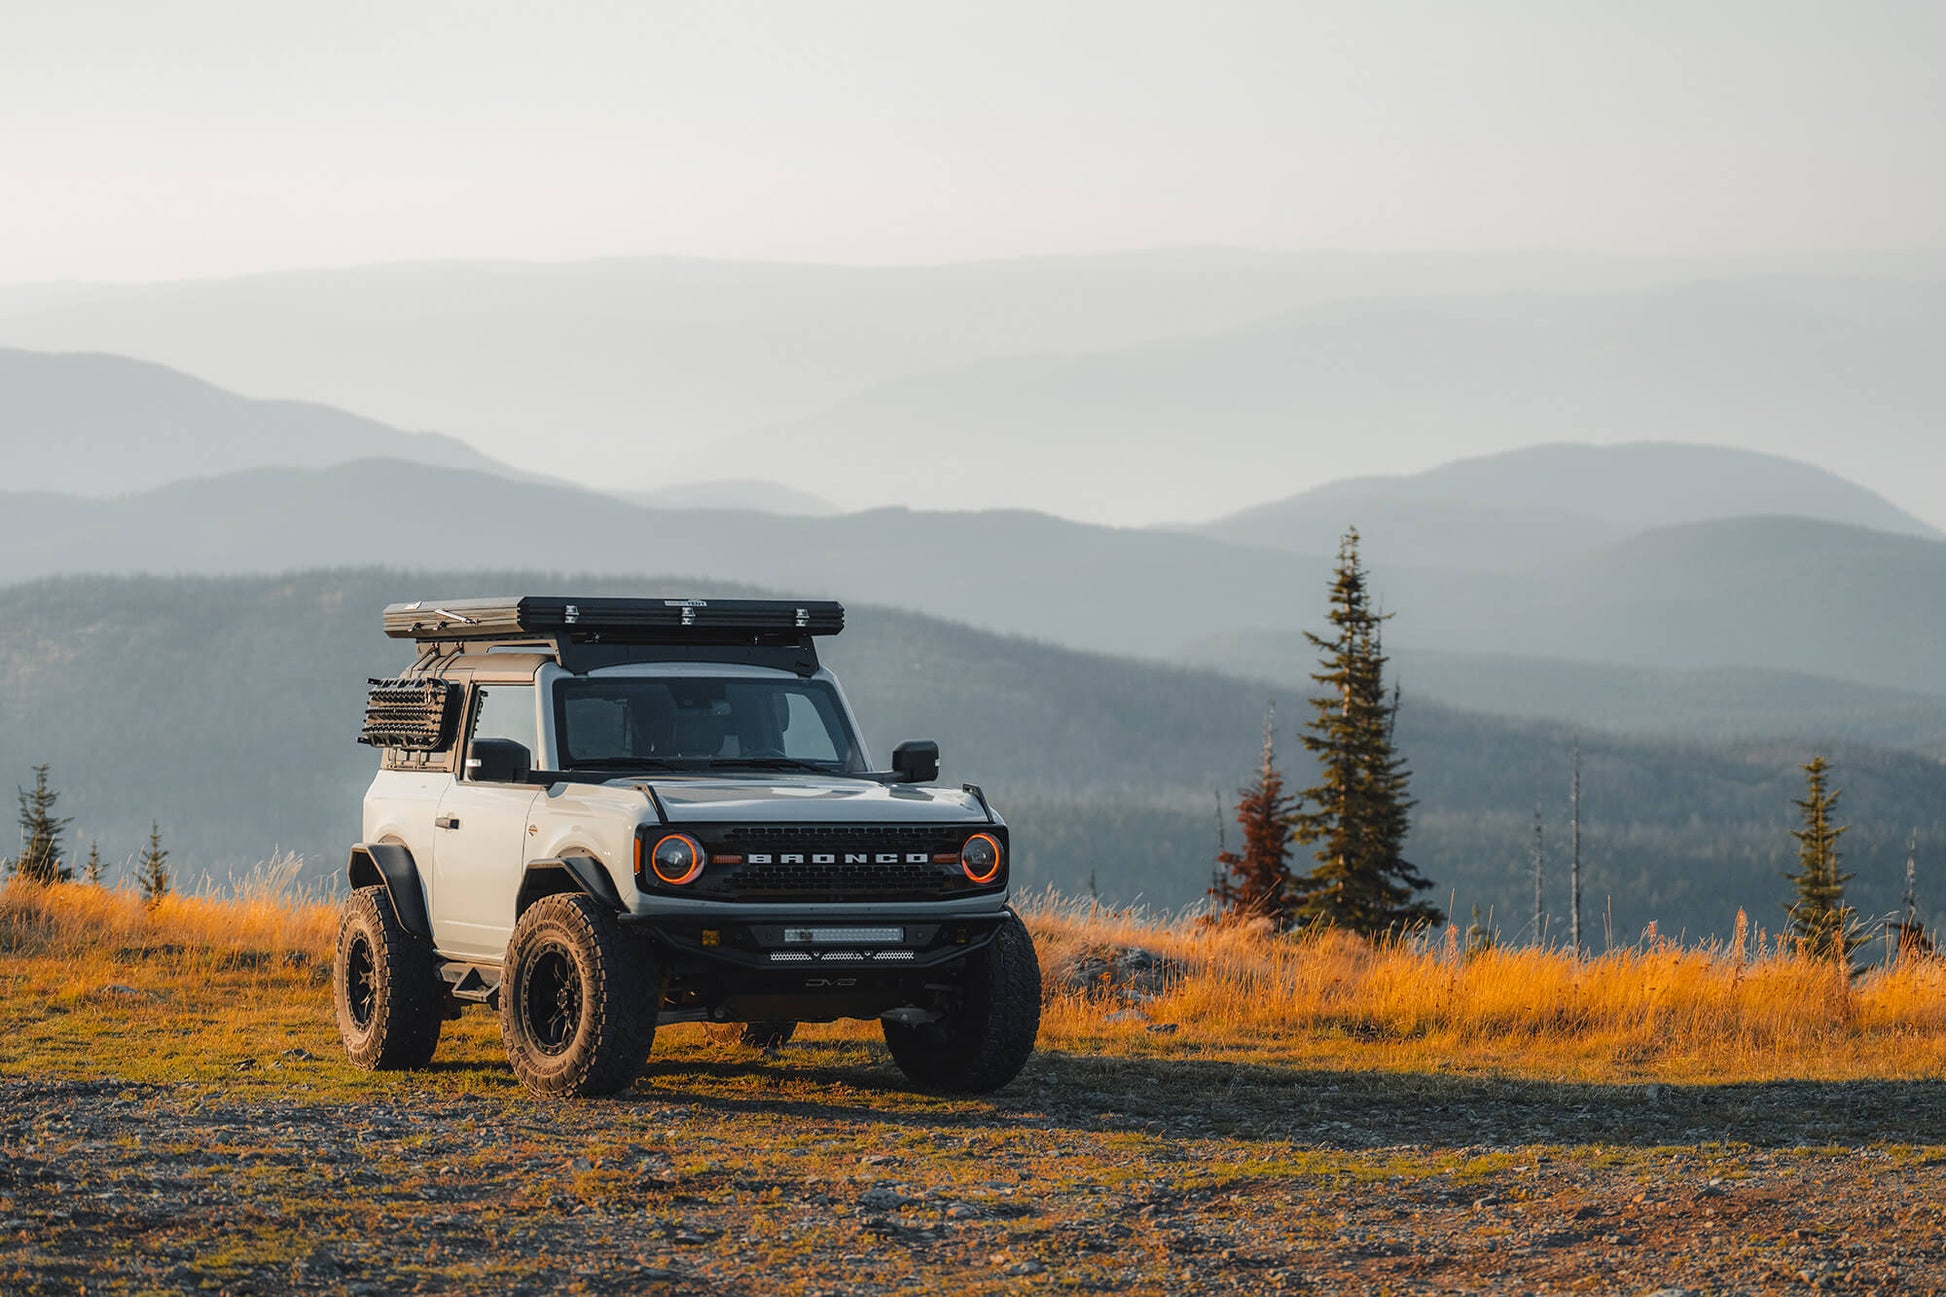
pixel 980 858
pixel 677 859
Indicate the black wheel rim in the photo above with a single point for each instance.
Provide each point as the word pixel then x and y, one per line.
pixel 361 983
pixel 550 999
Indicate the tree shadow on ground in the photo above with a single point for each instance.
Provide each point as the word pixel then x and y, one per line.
pixel 1195 1099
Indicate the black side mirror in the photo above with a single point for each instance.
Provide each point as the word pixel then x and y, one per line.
pixel 916 761
pixel 498 761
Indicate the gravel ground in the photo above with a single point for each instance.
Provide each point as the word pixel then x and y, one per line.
pixel 811 1171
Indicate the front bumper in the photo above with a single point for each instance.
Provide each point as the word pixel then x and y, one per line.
pixel 814 968
pixel 796 942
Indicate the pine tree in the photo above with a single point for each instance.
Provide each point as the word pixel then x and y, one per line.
pixel 39 860
pixel 153 878
pixel 1256 881
pixel 1357 816
pixel 1820 919
pixel 92 871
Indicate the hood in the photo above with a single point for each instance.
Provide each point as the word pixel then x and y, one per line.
pixel 800 800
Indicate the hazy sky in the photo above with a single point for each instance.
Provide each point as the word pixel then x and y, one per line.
pixel 145 140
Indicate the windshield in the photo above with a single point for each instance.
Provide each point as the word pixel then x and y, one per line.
pixel 697 723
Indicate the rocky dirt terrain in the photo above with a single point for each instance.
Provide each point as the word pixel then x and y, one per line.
pixel 810 1170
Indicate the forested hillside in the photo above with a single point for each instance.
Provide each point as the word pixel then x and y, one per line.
pixel 1737 703
pixel 225 708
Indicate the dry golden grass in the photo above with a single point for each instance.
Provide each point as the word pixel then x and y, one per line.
pixel 95 982
pixel 1658 1011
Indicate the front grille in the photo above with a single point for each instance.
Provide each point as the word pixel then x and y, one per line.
pixel 836 879
pixel 853 837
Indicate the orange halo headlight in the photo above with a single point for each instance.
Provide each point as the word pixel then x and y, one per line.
pixel 677 860
pixel 980 858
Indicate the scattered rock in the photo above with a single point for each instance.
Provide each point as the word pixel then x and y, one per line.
pixel 1163 1028
pixel 1131 975
pixel 244 1065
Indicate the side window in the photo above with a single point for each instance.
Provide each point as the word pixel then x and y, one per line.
pixel 506 711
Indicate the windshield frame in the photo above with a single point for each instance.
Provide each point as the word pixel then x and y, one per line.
pixel 854 760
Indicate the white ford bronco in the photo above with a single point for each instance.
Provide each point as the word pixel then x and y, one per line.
pixel 596 816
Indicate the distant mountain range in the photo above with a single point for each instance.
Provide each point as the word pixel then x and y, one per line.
pixel 1169 385
pixel 1781 593
pixel 735 493
pixel 1543 503
pixel 105 425
pixel 1190 426
pixel 226 709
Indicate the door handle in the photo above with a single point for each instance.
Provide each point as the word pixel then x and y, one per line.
pixel 445 822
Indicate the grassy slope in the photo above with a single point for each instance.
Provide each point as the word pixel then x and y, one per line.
pixel 179 1114
pixel 97 984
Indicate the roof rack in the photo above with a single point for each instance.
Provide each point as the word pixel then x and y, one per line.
pixel 589 633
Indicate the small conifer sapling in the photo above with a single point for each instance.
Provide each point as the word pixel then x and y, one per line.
pixel 1255 882
pixel 39 860
pixel 1820 920
pixel 153 873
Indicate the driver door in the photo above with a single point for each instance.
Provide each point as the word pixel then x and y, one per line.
pixel 480 830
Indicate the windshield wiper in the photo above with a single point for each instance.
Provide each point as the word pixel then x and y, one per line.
pixel 630 763
pixel 773 763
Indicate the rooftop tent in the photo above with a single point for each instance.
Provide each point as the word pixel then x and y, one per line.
pixel 589 633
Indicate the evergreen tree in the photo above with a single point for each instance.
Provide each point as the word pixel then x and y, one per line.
pixel 1256 881
pixel 39 860
pixel 153 878
pixel 92 871
pixel 1819 918
pixel 1357 816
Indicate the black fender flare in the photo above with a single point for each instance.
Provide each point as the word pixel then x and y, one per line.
pixel 390 865
pixel 567 873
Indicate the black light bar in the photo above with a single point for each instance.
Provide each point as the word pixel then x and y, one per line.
pixel 615 621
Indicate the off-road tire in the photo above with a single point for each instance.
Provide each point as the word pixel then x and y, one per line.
pixel 578 999
pixel 385 987
pixel 772 1034
pixel 987 1037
